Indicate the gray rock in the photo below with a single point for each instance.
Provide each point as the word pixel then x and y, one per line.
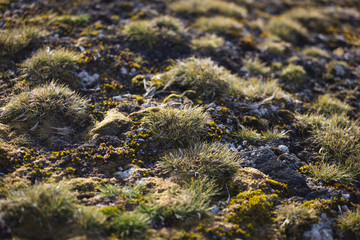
pixel 321 230
pixel 267 162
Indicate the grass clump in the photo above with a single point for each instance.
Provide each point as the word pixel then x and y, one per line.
pixel 331 173
pixel 339 138
pixel 274 46
pixel 209 42
pixel 16 39
pixel 256 66
pixel 287 29
pixel 155 31
pixel 209 8
pixel 332 105
pixel 81 19
pixel 191 202
pixel 316 52
pixel 272 134
pixel 311 18
pixel 46 65
pixel 129 224
pixel 247 134
pixel 349 223
pixel 218 24
pixel 293 73
pixel 177 127
pixel 201 75
pixel 212 160
pixel 46 206
pixel 49 110
pixel 294 218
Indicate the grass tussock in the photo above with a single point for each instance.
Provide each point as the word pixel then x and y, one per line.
pixel 129 224
pixel 155 31
pixel 209 42
pixel 295 217
pixel 331 105
pixel 201 75
pixel 256 66
pixel 189 203
pixel 46 206
pixel 293 74
pixel 81 19
pixel 316 52
pixel 177 127
pixel 287 29
pixel 212 160
pixel 218 24
pixel 349 223
pixel 331 173
pixel 15 39
pixel 247 134
pixel 311 18
pixel 209 7
pixel 51 108
pixel 46 65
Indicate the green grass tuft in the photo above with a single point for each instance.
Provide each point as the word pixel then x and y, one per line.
pixel 212 160
pixel 218 24
pixel 177 127
pixel 287 29
pixel 47 65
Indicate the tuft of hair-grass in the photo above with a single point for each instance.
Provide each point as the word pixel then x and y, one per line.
pixel 46 65
pixel 177 127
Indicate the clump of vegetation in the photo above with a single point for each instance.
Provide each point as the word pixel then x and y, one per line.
pixel 46 206
pixel 114 123
pixel 71 19
pixel 293 73
pixel 47 65
pixel 332 105
pixel 181 204
pixel 177 127
pixel 272 134
pixel 157 30
pixel 331 173
pixel 46 111
pixel 287 29
pixel 274 46
pixel 294 218
pixel 256 66
pixel 349 223
pixel 250 210
pixel 209 7
pixel 16 39
pixel 211 160
pixel 247 134
pixel 208 42
pixel 311 18
pixel 336 69
pixel 129 224
pixel 218 24
pixel 316 52
pixel 201 75
pixel 338 137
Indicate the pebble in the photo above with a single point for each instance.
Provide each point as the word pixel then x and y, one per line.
pixel 283 149
pixel 126 173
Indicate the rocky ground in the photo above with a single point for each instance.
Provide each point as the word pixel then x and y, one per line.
pixel 179 119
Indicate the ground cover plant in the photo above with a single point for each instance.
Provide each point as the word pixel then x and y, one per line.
pixel 179 119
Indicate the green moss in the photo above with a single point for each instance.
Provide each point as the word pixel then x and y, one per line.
pixel 81 19
pixel 209 42
pixel 114 123
pixel 251 210
pixel 218 24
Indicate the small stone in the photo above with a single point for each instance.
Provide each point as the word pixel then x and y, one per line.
pixel 125 174
pixel 283 148
pixel 345 196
